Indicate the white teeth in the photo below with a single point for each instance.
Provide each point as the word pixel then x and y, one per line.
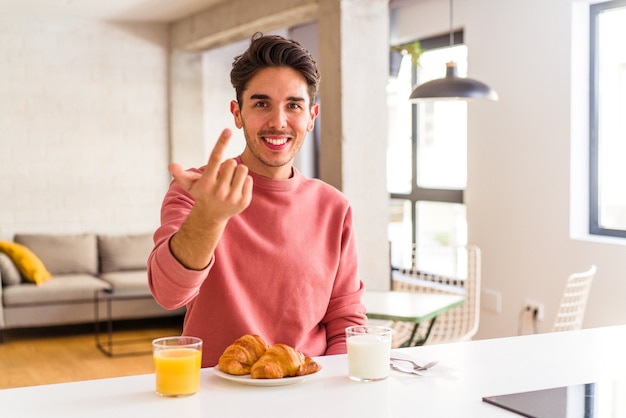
pixel 276 141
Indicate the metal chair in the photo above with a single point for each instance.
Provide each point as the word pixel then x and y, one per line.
pixel 458 324
pixel 574 301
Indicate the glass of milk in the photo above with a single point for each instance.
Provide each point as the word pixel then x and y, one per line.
pixel 369 350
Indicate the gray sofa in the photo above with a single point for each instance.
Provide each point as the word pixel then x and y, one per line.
pixel 80 265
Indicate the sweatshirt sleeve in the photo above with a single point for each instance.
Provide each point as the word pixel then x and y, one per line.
pixel 345 308
pixel 172 284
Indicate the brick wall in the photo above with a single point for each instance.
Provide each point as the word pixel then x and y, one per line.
pixel 83 125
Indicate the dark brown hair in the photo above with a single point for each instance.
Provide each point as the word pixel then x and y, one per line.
pixel 273 51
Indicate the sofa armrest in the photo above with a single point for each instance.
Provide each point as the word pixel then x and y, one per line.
pixel 2 324
pixel 9 275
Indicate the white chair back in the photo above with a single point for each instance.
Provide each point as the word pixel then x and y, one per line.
pixel 571 311
pixel 458 324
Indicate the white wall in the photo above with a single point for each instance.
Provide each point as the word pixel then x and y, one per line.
pixel 522 169
pixel 83 125
pixel 218 92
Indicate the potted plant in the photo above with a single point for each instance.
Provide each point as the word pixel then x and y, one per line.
pixel 397 52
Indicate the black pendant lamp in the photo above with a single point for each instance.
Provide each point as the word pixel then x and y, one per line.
pixel 452 86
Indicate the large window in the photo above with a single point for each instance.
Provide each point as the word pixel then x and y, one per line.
pixel 608 119
pixel 426 157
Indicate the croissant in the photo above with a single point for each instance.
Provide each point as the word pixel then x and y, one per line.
pixel 238 357
pixel 281 360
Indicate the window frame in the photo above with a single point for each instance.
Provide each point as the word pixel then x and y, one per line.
pixel 594 113
pixel 420 194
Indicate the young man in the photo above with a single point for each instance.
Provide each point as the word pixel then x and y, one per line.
pixel 249 244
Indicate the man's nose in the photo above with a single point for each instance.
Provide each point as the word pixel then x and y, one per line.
pixel 278 118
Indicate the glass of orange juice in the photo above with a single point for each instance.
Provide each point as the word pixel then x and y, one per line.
pixel 177 365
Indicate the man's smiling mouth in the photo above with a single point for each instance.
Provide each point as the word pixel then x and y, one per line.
pixel 276 141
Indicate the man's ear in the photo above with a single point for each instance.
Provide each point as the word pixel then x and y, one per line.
pixel 315 110
pixel 236 111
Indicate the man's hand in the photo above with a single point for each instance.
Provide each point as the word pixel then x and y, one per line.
pixel 223 190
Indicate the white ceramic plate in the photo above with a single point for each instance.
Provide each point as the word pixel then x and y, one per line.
pixel 247 380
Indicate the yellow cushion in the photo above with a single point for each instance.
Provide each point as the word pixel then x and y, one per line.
pixel 29 265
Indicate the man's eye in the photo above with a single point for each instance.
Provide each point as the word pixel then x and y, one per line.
pixel 294 106
pixel 260 104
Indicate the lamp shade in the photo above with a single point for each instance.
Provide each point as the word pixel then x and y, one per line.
pixel 453 87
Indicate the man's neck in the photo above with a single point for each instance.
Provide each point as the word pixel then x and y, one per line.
pixel 257 167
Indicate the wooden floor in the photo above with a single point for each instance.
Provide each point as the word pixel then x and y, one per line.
pixel 41 356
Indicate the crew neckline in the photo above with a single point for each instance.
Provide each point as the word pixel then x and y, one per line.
pixel 275 184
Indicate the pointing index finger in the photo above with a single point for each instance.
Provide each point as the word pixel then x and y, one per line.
pixel 217 154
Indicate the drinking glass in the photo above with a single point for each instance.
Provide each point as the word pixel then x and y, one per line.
pixel 177 363
pixel 369 350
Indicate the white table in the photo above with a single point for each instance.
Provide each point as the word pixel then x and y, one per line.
pixel 409 307
pixel 454 388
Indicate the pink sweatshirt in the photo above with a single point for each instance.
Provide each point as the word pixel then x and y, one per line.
pixel 285 269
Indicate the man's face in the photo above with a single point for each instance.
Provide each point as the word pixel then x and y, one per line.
pixel 275 116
